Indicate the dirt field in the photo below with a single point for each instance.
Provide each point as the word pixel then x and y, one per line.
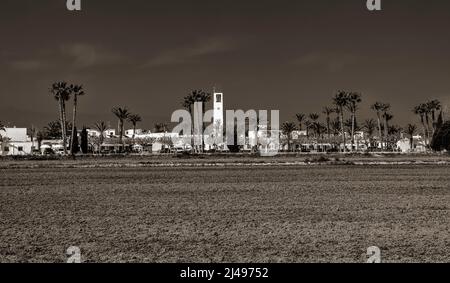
pixel 325 213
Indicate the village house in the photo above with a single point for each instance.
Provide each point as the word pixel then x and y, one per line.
pixel 15 141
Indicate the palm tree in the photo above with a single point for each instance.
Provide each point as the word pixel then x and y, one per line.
pixel 420 110
pixel 411 131
pixel 122 114
pixel 341 100
pixel 313 118
pixel 434 106
pixel 32 135
pixel 308 125
pixel 353 99
pixel 161 127
pixel 39 138
pixel 386 118
pixel 300 119
pixel 287 129
pixel 328 111
pixel 77 90
pixel 101 127
pixel 189 100
pixel 380 109
pixel 370 126
pixel 203 97
pixel 336 126
pixel 61 92
pixel 134 119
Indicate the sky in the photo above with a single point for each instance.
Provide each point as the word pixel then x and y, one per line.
pixel 282 55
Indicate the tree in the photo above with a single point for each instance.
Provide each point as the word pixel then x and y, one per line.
pixel 369 126
pixel 434 106
pixel 77 90
pixel 122 114
pixel 61 92
pixel 354 98
pixel 189 100
pixel 420 110
pixel 313 118
pixel 134 119
pixel 287 128
pixel 74 144
pixel 300 119
pixel 53 130
pixel 101 127
pixel 328 111
pixel 160 128
pixel 39 138
pixel 441 139
pixel 84 141
pixel 381 109
pixel 341 100
pixel 2 127
pixel 411 131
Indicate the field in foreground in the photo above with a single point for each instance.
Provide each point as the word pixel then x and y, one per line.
pixel 239 214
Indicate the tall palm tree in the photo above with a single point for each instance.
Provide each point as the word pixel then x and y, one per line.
pixel 77 90
pixel 188 102
pixel 420 110
pixel 313 118
pixel 411 131
pixel 377 107
pixel 39 138
pixel 370 126
pixel 341 100
pixel 386 118
pixel 300 119
pixel 101 127
pixel 381 108
pixel 354 98
pixel 134 119
pixel 203 97
pixel 434 106
pixel 61 92
pixel 287 129
pixel 328 111
pixel 122 114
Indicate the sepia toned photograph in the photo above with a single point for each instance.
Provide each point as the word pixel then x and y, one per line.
pixel 224 132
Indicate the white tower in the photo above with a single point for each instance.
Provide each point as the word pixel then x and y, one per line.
pixel 218 111
pixel 218 108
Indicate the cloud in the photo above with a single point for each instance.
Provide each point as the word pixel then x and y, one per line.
pixel 27 65
pixel 187 53
pixel 329 61
pixel 86 55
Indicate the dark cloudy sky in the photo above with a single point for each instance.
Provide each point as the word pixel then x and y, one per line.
pixel 278 54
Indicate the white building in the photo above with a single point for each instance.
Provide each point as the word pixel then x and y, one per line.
pixel 14 141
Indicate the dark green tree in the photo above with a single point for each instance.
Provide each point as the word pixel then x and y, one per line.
pixel 75 146
pixel 441 138
pixel 84 141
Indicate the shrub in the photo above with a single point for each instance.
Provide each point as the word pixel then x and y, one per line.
pixel 441 138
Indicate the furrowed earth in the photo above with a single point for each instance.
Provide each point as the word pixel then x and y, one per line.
pixel 242 213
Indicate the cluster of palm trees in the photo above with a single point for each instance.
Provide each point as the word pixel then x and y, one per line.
pixel 188 103
pixel 346 103
pixel 62 92
pixel 429 119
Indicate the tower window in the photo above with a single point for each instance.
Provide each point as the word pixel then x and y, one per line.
pixel 218 98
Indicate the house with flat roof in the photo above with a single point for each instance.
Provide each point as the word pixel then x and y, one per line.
pixel 15 141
